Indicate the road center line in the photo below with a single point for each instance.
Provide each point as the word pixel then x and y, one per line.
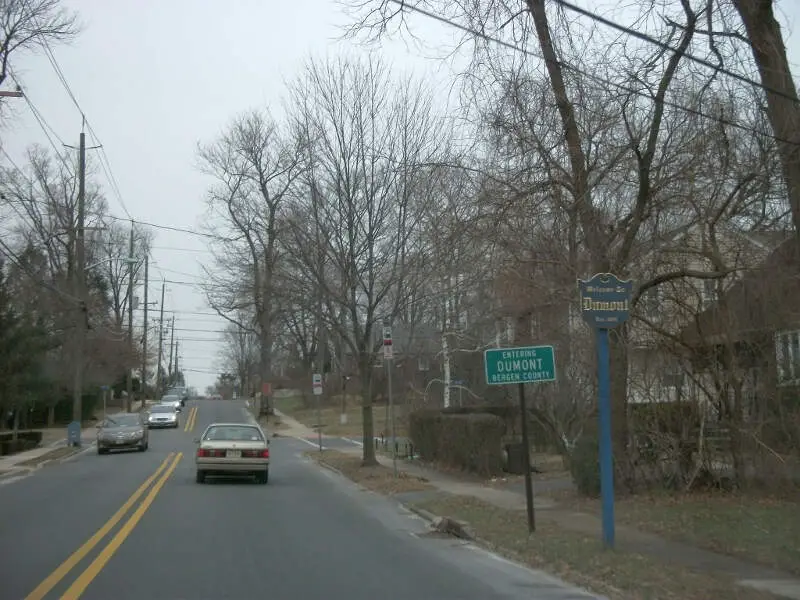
pixel 190 419
pixel 61 571
pixel 82 582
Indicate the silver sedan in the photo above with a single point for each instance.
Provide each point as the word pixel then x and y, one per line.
pixel 233 449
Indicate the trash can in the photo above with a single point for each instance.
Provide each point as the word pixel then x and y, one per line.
pixel 515 458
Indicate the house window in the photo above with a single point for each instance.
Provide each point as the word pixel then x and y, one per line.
pixel 710 295
pixel 787 354
pixel 423 363
pixel 651 302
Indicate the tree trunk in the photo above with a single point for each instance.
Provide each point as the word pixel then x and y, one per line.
pixel 783 108
pixel 368 431
pixel 446 369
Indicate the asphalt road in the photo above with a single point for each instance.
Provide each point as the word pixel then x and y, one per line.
pixel 306 535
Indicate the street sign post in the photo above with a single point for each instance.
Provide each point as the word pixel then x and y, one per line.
pixel 316 385
pixel 605 304
pixel 526 364
pixel 388 355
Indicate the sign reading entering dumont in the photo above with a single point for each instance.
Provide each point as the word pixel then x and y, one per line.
pixel 605 300
pixel 519 365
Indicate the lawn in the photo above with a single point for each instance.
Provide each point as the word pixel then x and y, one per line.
pixel 378 478
pixel 330 415
pixel 757 529
pixel 579 558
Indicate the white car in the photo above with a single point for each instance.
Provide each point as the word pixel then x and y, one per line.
pixel 175 401
pixel 162 415
pixel 233 449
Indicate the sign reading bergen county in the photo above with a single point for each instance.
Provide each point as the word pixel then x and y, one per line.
pixel 519 365
pixel 605 300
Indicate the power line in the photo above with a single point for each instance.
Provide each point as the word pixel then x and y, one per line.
pixel 404 4
pixel 664 46
pixel 105 164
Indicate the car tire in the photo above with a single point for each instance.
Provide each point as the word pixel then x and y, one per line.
pixel 102 450
pixel 200 477
pixel 263 478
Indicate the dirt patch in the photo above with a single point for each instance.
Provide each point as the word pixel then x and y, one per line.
pixel 55 454
pixel 580 559
pixel 758 529
pixel 376 478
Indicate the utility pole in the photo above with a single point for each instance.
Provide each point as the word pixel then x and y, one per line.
pixel 160 340
pixel 129 400
pixel 83 315
pixel 143 384
pixel 177 342
pixel 171 346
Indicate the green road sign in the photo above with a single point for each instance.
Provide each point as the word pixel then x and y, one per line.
pixel 530 364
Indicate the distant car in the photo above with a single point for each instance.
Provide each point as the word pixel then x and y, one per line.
pixel 173 400
pixel 122 431
pixel 180 392
pixel 162 415
pixel 233 449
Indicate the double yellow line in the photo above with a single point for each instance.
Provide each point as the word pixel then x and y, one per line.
pixel 191 419
pixel 84 579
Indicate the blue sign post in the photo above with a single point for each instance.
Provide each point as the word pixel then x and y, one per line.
pixel 605 304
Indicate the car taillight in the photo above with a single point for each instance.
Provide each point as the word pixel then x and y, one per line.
pixel 265 453
pixel 201 452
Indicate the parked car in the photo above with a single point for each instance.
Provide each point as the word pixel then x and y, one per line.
pixel 122 431
pixel 233 449
pixel 172 400
pixel 162 415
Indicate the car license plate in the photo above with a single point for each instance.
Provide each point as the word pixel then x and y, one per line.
pixel 234 454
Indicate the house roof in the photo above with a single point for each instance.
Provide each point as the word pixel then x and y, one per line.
pixel 764 300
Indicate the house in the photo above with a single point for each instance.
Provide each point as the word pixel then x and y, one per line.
pixel 745 349
pixel 655 370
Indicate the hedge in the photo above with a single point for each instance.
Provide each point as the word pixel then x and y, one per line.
pixel 472 442
pixel 26 440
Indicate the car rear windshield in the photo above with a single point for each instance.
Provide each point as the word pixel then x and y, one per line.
pixel 169 398
pixel 237 433
pixel 160 409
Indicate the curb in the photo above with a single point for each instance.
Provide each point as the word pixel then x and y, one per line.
pixel 420 512
pixel 448 525
pixel 322 463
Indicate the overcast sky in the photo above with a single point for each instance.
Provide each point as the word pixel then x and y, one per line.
pixel 155 77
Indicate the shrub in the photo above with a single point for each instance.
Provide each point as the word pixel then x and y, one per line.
pixel 472 442
pixel 424 430
pixel 585 466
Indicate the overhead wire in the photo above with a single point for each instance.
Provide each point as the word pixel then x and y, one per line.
pixel 665 46
pixel 405 5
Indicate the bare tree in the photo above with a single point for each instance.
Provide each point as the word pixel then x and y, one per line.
pixel 28 24
pixel 783 106
pixel 366 138
pixel 254 165
pixel 598 150
pixel 240 355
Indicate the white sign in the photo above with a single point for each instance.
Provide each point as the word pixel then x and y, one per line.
pixel 316 383
pixel 388 351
